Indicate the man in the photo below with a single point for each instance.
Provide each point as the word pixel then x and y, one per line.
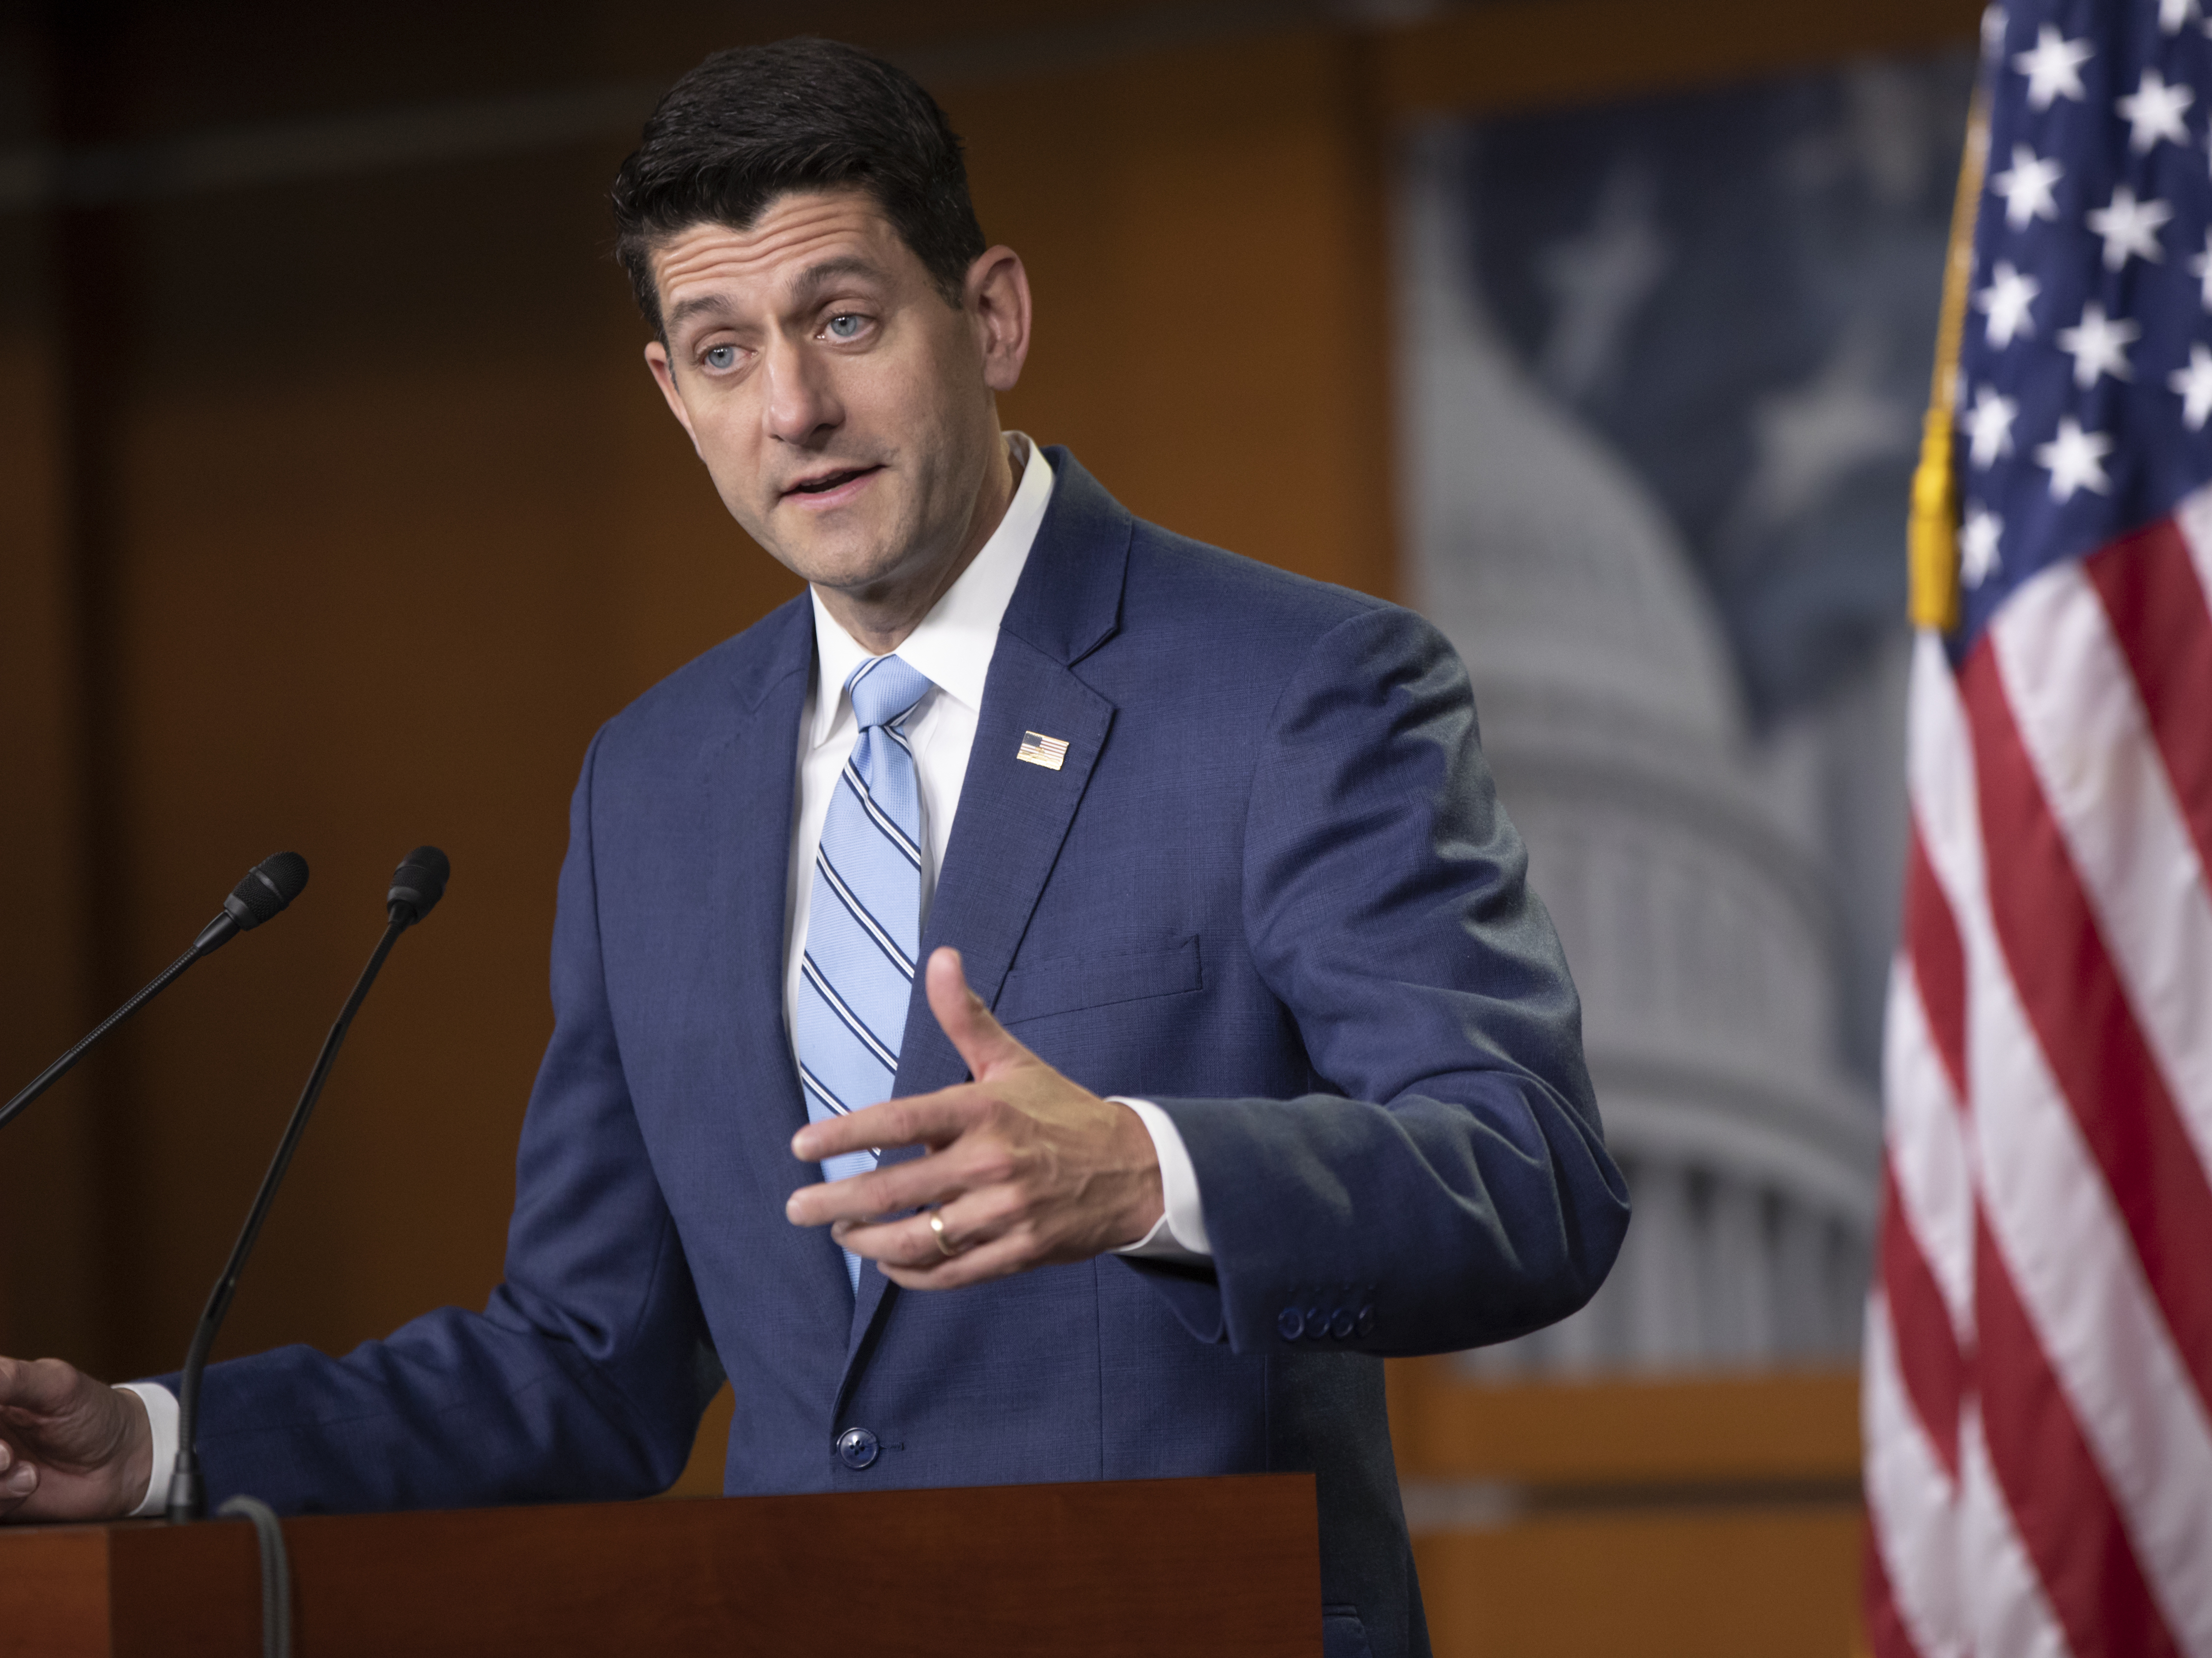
pixel 1128 931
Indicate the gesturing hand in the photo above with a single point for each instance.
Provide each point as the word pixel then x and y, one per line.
pixel 1024 1168
pixel 70 1447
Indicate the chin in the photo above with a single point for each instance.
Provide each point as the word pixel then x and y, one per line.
pixel 845 568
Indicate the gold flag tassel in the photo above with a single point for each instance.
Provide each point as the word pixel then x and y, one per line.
pixel 1933 536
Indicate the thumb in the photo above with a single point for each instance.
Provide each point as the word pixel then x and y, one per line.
pixel 981 1038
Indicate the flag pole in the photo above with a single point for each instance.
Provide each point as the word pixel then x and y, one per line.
pixel 1932 537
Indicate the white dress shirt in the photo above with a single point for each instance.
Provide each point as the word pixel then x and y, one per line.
pixel 952 648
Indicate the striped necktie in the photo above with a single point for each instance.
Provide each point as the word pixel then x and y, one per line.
pixel 864 920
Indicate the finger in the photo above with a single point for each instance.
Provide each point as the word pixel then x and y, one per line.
pixel 922 1183
pixel 17 1487
pixel 924 1120
pixel 980 1038
pixel 909 1241
pixel 968 1221
pixel 996 1257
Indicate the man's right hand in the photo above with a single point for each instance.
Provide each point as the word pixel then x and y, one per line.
pixel 70 1447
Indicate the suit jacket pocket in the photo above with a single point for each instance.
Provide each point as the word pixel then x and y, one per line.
pixel 1079 981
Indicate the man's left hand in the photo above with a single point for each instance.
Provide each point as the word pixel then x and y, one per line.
pixel 1025 1168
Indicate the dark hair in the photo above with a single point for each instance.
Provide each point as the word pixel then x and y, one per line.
pixel 752 123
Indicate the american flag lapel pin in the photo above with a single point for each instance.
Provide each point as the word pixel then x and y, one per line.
pixel 1041 751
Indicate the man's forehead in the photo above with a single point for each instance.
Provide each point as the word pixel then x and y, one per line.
pixel 793 235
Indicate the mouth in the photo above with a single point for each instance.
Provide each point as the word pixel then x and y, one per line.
pixel 829 488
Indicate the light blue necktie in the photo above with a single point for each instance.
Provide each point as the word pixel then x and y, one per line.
pixel 864 920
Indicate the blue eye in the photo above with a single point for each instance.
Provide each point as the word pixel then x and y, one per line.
pixel 721 356
pixel 845 326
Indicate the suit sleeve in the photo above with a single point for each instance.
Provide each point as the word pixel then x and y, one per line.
pixel 1456 1189
pixel 585 1374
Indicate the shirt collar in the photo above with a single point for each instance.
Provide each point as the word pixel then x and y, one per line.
pixel 953 644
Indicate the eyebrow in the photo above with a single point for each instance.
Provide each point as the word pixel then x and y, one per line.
pixel 687 309
pixel 804 292
pixel 816 277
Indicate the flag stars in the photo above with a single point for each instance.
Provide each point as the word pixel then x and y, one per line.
pixel 2006 302
pixel 2029 188
pixel 2053 67
pixel 2153 111
pixel 2129 229
pixel 2099 346
pixel 2174 14
pixel 2194 384
pixel 1977 546
pixel 2075 460
pixel 1989 426
pixel 2200 267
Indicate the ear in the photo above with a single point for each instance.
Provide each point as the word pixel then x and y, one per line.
pixel 999 307
pixel 664 376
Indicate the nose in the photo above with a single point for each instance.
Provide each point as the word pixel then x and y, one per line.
pixel 801 404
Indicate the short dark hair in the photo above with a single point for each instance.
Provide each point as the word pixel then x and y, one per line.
pixel 750 123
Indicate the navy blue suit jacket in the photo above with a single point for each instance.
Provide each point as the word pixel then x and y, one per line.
pixel 1270 889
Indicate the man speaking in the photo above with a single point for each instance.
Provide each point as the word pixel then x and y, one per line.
pixel 1126 934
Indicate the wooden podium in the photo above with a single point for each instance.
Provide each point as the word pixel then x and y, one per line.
pixel 1212 1567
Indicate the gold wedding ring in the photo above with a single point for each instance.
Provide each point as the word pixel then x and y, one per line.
pixel 937 1231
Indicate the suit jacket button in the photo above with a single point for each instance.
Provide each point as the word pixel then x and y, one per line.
pixel 1365 1323
pixel 1290 1324
pixel 1340 1323
pixel 856 1448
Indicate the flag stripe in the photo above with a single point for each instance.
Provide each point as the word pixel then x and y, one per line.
pixel 1886 1636
pixel 2069 1260
pixel 1946 816
pixel 2154 586
pixel 2073 1000
pixel 2083 728
pixel 1913 1503
pixel 2067 1250
pixel 1927 1151
pixel 1930 1365
pixel 1939 960
pixel 2153 594
pixel 2004 1607
pixel 2064 1243
pixel 2065 1514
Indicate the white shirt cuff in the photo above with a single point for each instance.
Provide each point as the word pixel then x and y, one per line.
pixel 162 1416
pixel 1179 1232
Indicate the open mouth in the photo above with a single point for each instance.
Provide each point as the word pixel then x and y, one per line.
pixel 830 483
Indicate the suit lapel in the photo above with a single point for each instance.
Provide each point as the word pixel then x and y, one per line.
pixel 1014 815
pixel 751 774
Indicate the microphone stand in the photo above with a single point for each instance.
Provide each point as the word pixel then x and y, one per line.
pixel 61 1067
pixel 187 1490
pixel 269 887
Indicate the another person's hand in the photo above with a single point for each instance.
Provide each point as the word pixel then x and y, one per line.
pixel 70 1447
pixel 1025 1168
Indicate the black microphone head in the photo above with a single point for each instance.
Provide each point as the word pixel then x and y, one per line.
pixel 418 883
pixel 269 886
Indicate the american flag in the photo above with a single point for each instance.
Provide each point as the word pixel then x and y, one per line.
pixel 2038 1359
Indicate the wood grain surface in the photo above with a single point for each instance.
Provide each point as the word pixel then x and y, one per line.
pixel 1214 1567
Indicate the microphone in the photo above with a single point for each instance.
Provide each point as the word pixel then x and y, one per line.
pixel 416 886
pixel 269 886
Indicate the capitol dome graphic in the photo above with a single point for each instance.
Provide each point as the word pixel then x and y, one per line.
pixel 1700 927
